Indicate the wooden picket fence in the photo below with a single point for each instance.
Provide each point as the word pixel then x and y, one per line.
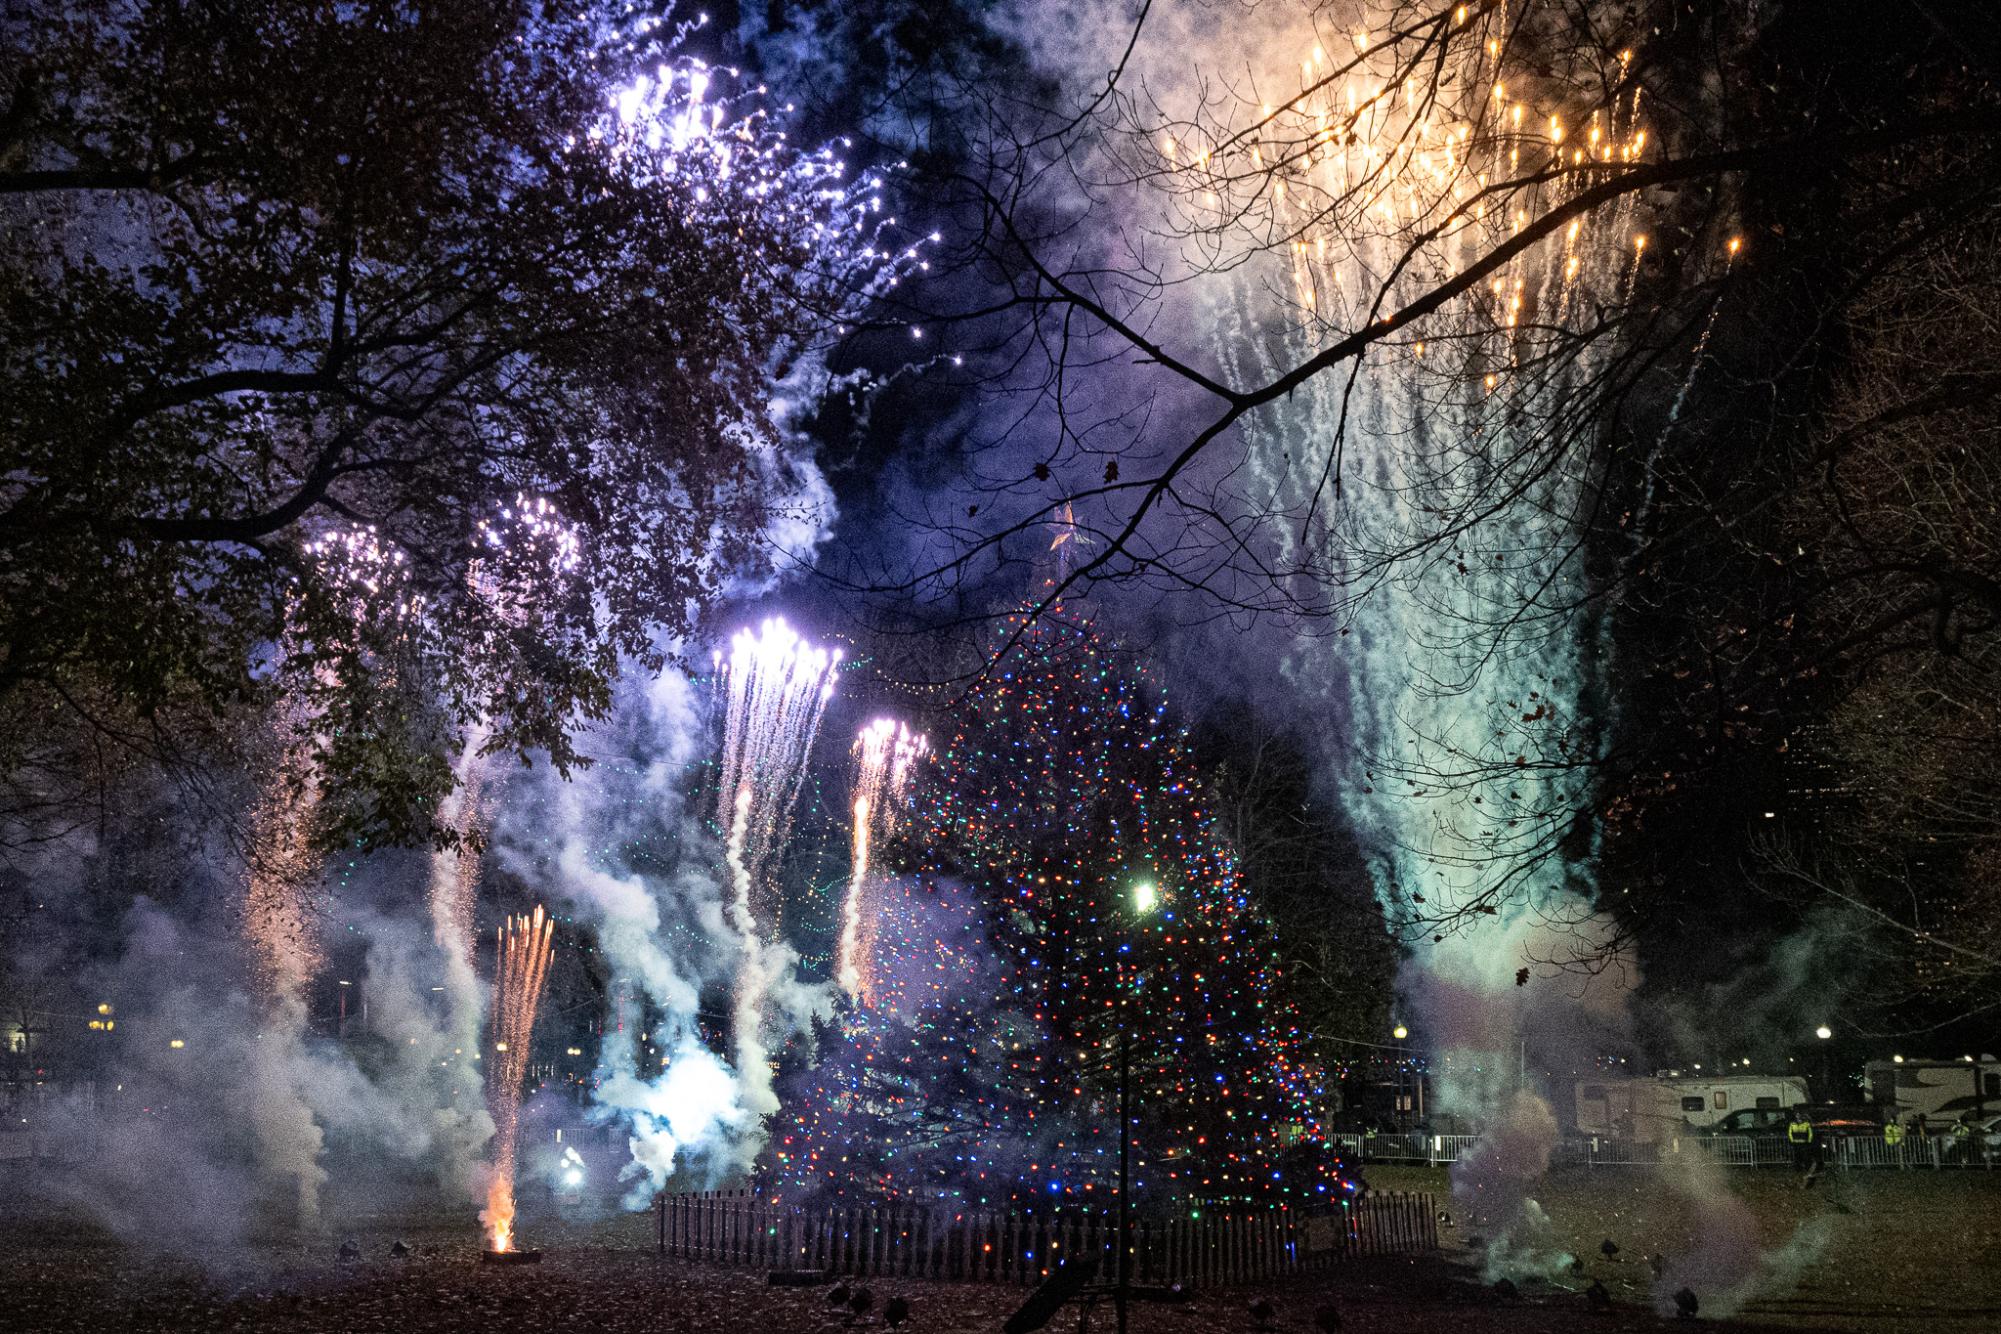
pixel 1022 1246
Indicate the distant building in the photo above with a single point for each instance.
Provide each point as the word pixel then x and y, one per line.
pixel 1821 792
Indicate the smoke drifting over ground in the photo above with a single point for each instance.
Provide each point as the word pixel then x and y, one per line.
pixel 234 1113
pixel 667 936
pixel 234 1106
pixel 246 1113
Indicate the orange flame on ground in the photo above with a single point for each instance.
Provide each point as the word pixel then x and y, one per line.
pixel 523 967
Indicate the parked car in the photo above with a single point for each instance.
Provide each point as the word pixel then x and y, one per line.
pixel 1749 1121
pixel 1852 1119
pixel 1827 1121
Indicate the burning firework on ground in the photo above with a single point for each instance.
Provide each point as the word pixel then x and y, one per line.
pixel 522 966
pixel 888 752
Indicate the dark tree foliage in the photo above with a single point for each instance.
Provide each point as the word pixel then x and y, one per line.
pixel 1806 740
pixel 275 273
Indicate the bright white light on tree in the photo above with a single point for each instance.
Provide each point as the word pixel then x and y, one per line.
pixel 1145 896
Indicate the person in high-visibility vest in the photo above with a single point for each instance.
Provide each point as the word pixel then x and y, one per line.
pixel 1962 1138
pixel 1799 1134
pixel 1893 1134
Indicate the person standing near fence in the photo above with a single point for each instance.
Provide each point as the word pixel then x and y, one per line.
pixel 1799 1134
pixel 1893 1137
pixel 1962 1138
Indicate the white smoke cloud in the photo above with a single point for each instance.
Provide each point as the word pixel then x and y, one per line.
pixel 666 933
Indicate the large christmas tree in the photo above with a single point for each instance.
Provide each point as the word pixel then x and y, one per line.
pixel 1065 885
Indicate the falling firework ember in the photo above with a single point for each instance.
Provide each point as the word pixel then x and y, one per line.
pixel 778 688
pixel 521 969
pixel 888 753
pixel 521 553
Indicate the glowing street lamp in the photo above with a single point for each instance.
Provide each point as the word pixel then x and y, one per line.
pixel 1146 897
pixel 1823 1032
pixel 1403 1099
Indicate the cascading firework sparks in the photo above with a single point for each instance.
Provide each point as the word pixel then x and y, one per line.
pixel 524 945
pixel 521 553
pixel 276 914
pixel 888 753
pixel 778 686
pixel 367 583
pixel 1446 523
pixel 1467 664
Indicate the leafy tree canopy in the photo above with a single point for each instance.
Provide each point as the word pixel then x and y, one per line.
pixel 408 359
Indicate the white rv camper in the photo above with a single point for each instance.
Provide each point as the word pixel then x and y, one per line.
pixel 1939 1090
pixel 1652 1110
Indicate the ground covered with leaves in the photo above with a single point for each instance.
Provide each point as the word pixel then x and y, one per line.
pixel 1867 1251
pixel 1905 1253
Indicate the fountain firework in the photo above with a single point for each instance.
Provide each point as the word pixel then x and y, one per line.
pixel 778 686
pixel 366 584
pixel 521 967
pixel 520 554
pixel 888 753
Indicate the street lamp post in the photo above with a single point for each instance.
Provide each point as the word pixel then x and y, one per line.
pixel 1145 897
pixel 1823 1032
pixel 1401 1093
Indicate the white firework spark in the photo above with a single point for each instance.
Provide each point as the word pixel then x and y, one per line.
pixel 888 752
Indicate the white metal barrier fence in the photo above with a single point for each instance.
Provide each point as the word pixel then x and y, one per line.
pixel 1846 1151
